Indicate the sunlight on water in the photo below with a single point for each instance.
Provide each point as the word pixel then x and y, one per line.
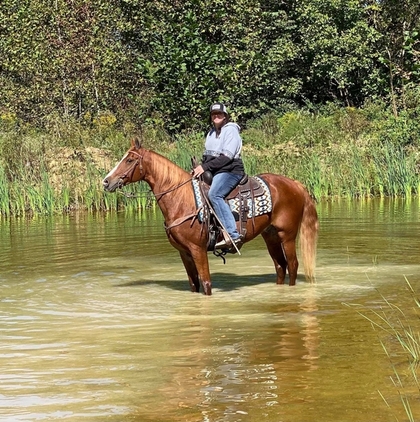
pixel 97 323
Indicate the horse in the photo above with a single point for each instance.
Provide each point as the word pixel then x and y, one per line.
pixel 293 213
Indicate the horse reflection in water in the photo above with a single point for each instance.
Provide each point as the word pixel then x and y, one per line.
pixel 293 211
pixel 257 366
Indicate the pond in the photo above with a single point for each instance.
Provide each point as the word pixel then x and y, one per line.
pixel 97 322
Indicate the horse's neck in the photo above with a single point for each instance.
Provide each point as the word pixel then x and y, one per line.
pixel 160 173
pixel 169 184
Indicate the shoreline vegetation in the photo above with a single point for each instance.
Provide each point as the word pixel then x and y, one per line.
pixel 336 153
pixel 326 92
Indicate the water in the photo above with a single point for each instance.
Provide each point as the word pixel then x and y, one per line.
pixel 97 323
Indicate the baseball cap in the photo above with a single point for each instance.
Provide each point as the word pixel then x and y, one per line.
pixel 218 107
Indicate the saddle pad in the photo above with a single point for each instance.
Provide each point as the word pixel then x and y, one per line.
pixel 199 202
pixel 261 205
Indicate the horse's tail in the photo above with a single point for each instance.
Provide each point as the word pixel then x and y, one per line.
pixel 309 235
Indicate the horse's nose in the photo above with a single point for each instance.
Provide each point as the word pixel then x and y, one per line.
pixel 105 183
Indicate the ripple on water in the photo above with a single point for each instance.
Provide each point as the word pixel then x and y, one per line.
pixel 98 324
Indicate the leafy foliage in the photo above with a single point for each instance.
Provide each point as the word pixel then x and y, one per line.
pixel 62 58
pixel 162 63
pixel 339 53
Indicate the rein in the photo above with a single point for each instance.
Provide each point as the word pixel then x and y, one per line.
pixel 160 194
pixel 139 161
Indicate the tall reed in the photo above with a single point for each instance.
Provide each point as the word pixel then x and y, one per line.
pixel 395 174
pixel 5 208
pixel 338 154
pixel 397 324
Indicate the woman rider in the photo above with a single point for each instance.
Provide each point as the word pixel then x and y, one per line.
pixel 222 157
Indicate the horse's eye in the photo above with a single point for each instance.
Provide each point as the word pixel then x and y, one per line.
pixel 130 160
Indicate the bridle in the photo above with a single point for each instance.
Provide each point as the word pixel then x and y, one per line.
pixel 139 161
pixel 130 171
pixel 159 195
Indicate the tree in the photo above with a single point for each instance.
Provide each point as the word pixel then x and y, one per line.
pixel 63 57
pixel 193 53
pixel 338 55
pixel 399 47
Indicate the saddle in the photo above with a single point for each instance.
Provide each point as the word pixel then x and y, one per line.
pixel 243 195
pixel 247 188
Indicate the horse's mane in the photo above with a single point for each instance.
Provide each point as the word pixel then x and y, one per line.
pixel 170 174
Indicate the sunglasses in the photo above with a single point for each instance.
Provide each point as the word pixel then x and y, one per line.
pixel 218 114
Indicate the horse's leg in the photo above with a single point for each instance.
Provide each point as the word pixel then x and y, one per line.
pixel 275 249
pixel 289 248
pixel 192 272
pixel 197 267
pixel 201 261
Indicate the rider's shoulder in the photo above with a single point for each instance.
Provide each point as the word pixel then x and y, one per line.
pixel 232 126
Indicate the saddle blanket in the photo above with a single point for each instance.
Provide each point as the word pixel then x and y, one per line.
pixel 260 205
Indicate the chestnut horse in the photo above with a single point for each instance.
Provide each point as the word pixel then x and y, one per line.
pixel 293 211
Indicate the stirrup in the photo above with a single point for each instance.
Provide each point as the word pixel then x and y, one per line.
pixel 227 244
pixel 223 244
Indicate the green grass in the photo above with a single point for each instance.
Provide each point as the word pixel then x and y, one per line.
pixel 345 153
pixel 5 206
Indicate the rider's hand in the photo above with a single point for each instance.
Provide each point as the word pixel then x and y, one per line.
pixel 198 171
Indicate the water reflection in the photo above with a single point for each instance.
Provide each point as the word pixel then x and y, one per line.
pixel 235 365
pixel 263 362
pixel 97 322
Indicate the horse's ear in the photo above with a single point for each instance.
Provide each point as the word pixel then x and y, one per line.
pixel 136 142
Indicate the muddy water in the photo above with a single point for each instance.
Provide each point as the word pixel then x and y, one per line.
pixel 97 323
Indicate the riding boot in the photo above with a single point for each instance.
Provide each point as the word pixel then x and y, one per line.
pixel 225 241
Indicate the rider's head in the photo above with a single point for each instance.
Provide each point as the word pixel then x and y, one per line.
pixel 218 114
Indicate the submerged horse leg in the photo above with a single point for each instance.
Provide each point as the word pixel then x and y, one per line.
pixel 197 267
pixel 192 272
pixel 289 248
pixel 275 249
pixel 201 261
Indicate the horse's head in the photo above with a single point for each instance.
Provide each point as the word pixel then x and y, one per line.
pixel 128 170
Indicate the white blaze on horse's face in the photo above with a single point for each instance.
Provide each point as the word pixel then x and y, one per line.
pixel 112 181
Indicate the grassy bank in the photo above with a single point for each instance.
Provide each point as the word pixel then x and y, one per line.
pixel 337 153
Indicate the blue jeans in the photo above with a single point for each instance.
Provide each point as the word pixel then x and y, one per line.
pixel 221 185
